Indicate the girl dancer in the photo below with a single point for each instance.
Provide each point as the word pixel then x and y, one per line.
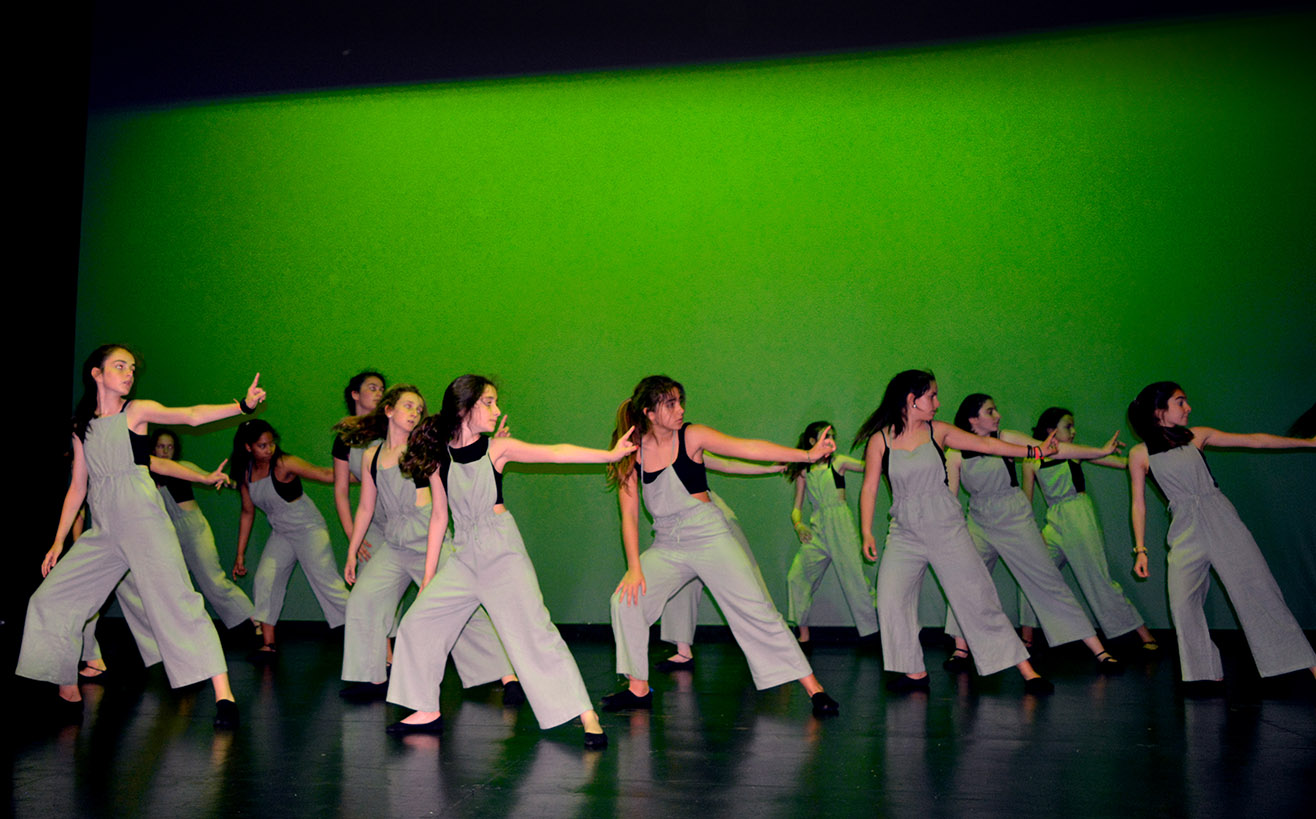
pixel 489 565
pixel 230 602
pixel 361 395
pixel 1073 535
pixel 131 532
pixel 927 527
pixel 272 480
pixel 692 539
pixel 828 539
pixel 1206 533
pixel 681 614
pixel 399 557
pixel 1002 525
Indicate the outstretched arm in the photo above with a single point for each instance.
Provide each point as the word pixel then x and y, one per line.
pixel 510 450
pixel 868 493
pixel 1138 468
pixel 143 411
pixel 954 437
pixel 699 437
pixel 1066 451
pixel 844 463
pixel 730 466
pixel 188 471
pixel 292 465
pixel 1207 436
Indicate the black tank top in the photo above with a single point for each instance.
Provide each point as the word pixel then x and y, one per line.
pixel 469 454
pixel 691 474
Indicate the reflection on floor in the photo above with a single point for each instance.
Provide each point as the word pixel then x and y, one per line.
pixel 713 746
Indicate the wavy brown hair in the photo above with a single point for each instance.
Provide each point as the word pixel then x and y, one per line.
pixel 359 430
pixel 646 396
pixel 891 411
pixel 427 448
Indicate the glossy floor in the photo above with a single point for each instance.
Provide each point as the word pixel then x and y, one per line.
pixel 713 746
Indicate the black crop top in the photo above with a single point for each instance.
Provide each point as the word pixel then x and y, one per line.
pixel 178 489
pixel 420 483
pixel 1075 472
pixel 340 450
pixel 469 454
pixel 290 491
pixel 691 474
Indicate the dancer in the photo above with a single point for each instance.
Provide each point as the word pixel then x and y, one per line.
pixel 927 527
pixel 829 539
pixel 681 614
pixel 194 535
pixel 1073 535
pixel 131 532
pixel 361 395
pixel 692 539
pixel 272 480
pixel 489 565
pixel 399 557
pixel 1206 533
pixel 1002 525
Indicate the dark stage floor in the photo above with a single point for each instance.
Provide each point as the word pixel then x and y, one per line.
pixel 1124 746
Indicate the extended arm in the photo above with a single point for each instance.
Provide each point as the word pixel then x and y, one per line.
pixel 510 450
pixel 699 437
pixel 735 467
pixel 868 493
pixel 188 471
pixel 1256 440
pixel 845 463
pixel 143 411
pixel 957 438
pixel 292 465
pixel 631 587
pixel 1065 451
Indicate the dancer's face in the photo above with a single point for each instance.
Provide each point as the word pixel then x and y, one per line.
pixel 406 413
pixel 924 407
pixel 483 417
pixel 117 372
pixel 165 446
pixel 1065 430
pixel 988 419
pixel 262 449
pixel 1176 411
pixel 367 398
pixel 669 414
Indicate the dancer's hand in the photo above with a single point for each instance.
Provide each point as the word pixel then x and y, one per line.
pixel 804 533
pixel 349 571
pixel 363 551
pixel 631 587
pixel 502 431
pixel 870 548
pixel 1049 446
pixel 621 449
pixel 1114 446
pixel 239 567
pixel 219 478
pixel 1140 565
pixel 48 562
pixel 255 394
pixel 825 446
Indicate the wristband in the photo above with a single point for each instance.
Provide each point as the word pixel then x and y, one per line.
pixel 242 405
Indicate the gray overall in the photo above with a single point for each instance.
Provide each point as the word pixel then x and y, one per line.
pixel 198 542
pixel 1206 533
pixel 835 543
pixel 1002 525
pixel 1073 535
pixel 398 559
pixel 299 535
pixel 489 566
pixel 692 540
pixel 130 532
pixel 927 527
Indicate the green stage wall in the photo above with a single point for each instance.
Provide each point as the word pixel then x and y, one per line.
pixel 1059 219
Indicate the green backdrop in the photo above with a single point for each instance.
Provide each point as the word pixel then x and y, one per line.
pixel 1051 220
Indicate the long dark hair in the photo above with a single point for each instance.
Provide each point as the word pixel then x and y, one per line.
pixel 427 448
pixel 1142 417
pixel 161 432
pixel 891 411
pixel 1048 421
pixel 359 430
pixel 647 394
pixel 86 406
pixel 969 409
pixel 239 460
pixel 811 433
pixel 354 385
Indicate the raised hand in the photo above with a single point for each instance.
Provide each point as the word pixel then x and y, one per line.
pixel 255 394
pixel 219 478
pixel 1049 446
pixel 502 431
pixel 1114 445
pixel 623 447
pixel 825 446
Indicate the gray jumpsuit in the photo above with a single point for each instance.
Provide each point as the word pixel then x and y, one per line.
pixel 1002 525
pixel 397 560
pixel 1073 536
pixel 489 566
pixel 299 535
pixel 835 542
pixel 927 527
pixel 130 532
pixel 681 614
pixel 198 543
pixel 692 540
pixel 1206 533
